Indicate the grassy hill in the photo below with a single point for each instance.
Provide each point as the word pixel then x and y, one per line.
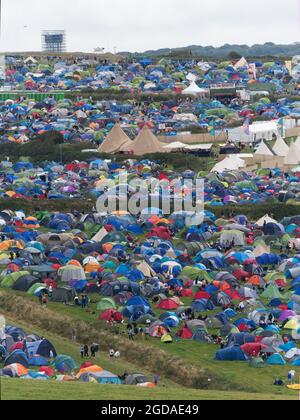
pixel 15 389
pixel 182 365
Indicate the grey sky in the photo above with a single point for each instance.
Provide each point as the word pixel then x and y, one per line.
pixel 138 25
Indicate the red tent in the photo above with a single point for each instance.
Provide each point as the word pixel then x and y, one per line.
pixel 253 349
pixel 233 294
pixel 17 346
pixel 110 315
pixel 202 295
pixel 160 232
pixel 167 304
pixel 86 365
pixel 47 370
pixel 187 293
pixel 240 274
pixel 243 328
pixel 185 333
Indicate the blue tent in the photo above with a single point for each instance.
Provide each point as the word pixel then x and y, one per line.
pixel 17 356
pixel 231 354
pixel 276 359
pixel 38 361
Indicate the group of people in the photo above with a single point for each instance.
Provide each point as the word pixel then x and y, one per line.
pixel 86 351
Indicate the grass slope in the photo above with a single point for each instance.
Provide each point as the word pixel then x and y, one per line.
pixel 234 377
pixel 16 389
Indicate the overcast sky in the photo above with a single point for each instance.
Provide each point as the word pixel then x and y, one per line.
pixel 139 25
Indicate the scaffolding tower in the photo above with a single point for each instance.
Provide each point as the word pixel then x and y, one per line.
pixel 54 41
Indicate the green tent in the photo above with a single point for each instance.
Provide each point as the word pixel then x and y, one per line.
pixel 105 304
pixel 194 273
pixel 166 339
pixel 10 279
pixel 34 288
pixel 272 292
pixel 257 363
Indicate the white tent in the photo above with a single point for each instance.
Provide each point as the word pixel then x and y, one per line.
pixel 194 89
pixel 293 156
pixel 191 77
pixel 230 163
pixel 175 145
pixel 297 142
pixel 265 219
pixel 257 131
pixel 241 64
pixel 280 147
pixel 263 150
pixel 100 235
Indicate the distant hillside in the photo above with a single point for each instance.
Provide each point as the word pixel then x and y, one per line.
pixel 257 50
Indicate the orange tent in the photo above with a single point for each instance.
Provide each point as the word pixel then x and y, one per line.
pixel 89 369
pixel 75 263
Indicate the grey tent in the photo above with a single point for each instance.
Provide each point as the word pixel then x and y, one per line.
pixel 63 294
pixel 136 378
pixel 24 283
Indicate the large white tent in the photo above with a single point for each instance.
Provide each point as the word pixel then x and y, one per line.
pixel 281 148
pixel 194 89
pixel 230 163
pixel 263 150
pixel 293 156
pixel 257 131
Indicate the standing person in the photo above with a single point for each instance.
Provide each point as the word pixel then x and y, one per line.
pixel 156 379
pixel 86 351
pixel 292 377
pixel 93 351
pixel 82 352
pixel 147 331
pixel 131 334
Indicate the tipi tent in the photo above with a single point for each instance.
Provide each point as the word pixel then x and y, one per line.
pixel 264 150
pixel 115 140
pixel 297 142
pixel 293 156
pixel 145 143
pixel 281 148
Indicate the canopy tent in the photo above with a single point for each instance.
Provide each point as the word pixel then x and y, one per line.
pixel 194 90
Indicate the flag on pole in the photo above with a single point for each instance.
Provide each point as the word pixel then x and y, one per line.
pixel 246 126
pixel 212 128
pixel 280 126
